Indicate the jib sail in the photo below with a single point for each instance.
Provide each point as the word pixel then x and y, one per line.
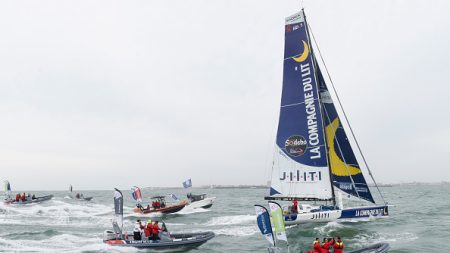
pixel 345 170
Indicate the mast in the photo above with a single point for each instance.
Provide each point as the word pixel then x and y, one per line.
pixel 321 107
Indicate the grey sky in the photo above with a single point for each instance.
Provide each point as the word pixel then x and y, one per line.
pixel 103 94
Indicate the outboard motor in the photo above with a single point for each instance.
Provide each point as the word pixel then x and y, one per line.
pixel 108 235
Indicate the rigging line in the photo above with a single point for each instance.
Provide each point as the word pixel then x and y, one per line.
pixel 345 116
pixel 342 154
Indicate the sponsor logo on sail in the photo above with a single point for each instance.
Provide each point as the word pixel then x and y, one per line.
pixel 301 176
pixel 295 145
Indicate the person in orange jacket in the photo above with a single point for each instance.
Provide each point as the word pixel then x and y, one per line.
pixel 326 245
pixel 17 197
pixel 338 246
pixel 317 248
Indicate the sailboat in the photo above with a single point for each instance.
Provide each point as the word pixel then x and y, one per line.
pixel 314 161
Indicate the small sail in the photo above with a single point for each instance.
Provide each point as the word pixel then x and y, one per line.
pixel 300 168
pixel 118 208
pixel 70 189
pixel 278 221
pixel 136 194
pixel 346 173
pixel 263 221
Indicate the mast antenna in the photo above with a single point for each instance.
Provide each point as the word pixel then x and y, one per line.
pixel 345 116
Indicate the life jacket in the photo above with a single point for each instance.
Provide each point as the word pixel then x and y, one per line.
pixel 338 247
pixel 137 227
pixel 24 197
pixel 326 246
pixel 155 229
pixel 148 230
pixel 317 247
pixel 17 197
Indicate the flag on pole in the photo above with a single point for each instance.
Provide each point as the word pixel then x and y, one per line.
pixel 263 220
pixel 278 221
pixel 187 183
pixel 174 197
pixel 118 207
pixel 136 194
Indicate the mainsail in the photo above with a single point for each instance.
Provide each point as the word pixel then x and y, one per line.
pixel 312 152
pixel 300 168
pixel 346 173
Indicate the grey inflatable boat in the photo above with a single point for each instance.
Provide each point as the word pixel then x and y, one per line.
pixel 188 240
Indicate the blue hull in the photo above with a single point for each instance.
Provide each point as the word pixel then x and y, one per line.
pixel 337 214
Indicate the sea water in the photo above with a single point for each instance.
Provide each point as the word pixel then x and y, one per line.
pixel 419 222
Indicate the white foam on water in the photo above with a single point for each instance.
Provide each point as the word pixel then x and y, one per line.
pixel 58 243
pixel 190 210
pixel 57 213
pixel 362 240
pixel 329 227
pixel 231 220
pixel 239 231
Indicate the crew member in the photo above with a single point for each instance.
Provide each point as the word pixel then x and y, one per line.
pixel 294 207
pixel 148 230
pixel 338 246
pixel 316 246
pixel 155 231
pixel 24 197
pixel 137 231
pixel 326 245
pixel 17 197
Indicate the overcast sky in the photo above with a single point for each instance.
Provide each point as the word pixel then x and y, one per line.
pixel 103 94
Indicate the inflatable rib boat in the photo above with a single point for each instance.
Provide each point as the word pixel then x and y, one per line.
pixel 30 201
pixel 166 240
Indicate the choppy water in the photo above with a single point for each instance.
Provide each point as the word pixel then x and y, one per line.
pixel 420 222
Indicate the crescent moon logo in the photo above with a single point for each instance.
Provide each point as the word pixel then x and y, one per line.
pixel 338 167
pixel 303 56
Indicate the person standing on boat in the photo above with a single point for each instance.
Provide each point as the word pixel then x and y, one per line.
pixel 155 231
pixel 148 230
pixel 137 231
pixel 294 207
pixel 24 197
pixel 338 246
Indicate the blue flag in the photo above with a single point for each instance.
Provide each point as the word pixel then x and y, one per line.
pixel 187 183
pixel 263 221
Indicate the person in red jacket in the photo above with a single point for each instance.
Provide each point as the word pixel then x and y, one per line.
pixel 17 197
pixel 148 230
pixel 155 231
pixel 338 246
pixel 317 248
pixel 24 197
pixel 326 245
